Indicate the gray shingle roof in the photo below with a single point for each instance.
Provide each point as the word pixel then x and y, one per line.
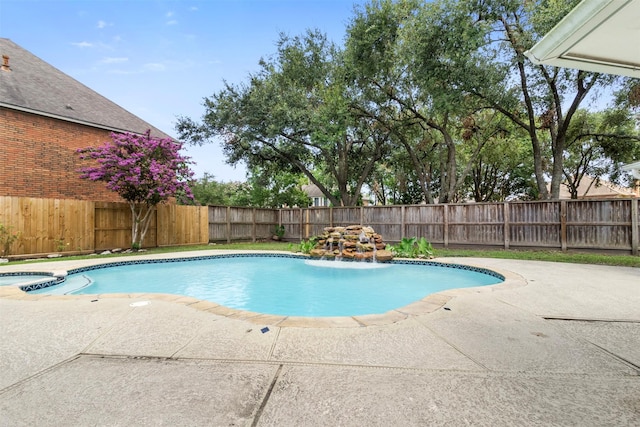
pixel 312 190
pixel 34 86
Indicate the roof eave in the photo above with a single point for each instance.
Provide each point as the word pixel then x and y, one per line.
pixel 586 65
pixel 553 48
pixel 66 119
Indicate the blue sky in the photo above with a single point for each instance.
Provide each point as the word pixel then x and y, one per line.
pixel 159 59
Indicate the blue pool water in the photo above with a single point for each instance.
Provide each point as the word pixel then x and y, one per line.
pixel 288 286
pixel 18 279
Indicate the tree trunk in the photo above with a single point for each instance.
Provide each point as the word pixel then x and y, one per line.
pixel 141 218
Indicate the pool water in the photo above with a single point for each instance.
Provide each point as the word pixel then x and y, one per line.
pixel 18 279
pixel 288 286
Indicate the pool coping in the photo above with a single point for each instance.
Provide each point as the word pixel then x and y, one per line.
pixel 426 305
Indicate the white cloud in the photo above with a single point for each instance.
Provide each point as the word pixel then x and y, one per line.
pixel 170 21
pixel 101 24
pixel 154 66
pixel 122 72
pixel 111 60
pixel 82 44
pixel 193 8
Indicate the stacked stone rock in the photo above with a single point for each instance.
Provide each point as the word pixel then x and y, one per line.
pixel 351 242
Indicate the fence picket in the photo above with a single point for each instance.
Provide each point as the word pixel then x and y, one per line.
pixel 52 225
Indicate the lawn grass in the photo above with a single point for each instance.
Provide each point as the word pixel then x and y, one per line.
pixel 528 255
pixel 546 255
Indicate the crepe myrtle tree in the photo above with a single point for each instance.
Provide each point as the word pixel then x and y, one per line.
pixel 143 170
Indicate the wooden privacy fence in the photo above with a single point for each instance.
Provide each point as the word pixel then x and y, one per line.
pixel 53 225
pixel 57 225
pixel 228 224
pixel 561 224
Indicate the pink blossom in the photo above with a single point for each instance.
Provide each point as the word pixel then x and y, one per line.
pixel 140 168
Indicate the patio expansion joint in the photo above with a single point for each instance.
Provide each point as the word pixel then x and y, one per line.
pixel 263 404
pixel 559 319
pixel 634 366
pixel 107 330
pixel 189 341
pixel 273 344
pixel 292 363
pixel 41 373
pixel 590 319
pixel 289 363
pixel 358 321
pixel 617 357
pixel 452 345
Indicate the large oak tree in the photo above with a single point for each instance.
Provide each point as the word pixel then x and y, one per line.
pixel 295 113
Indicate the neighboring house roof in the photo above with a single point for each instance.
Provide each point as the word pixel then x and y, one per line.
pixel 312 190
pixel 27 83
pixel 590 188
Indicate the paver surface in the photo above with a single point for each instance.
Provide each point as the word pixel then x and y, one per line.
pixel 557 344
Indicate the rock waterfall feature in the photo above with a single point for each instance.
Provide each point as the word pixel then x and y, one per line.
pixel 351 242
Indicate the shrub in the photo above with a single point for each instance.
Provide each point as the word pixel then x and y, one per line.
pixel 412 248
pixel 305 246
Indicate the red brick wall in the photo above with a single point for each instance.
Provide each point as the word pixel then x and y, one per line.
pixel 38 158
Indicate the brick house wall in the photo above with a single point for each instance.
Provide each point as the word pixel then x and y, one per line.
pixel 38 157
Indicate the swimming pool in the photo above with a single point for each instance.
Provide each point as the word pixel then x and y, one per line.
pixel 279 284
pixel 24 278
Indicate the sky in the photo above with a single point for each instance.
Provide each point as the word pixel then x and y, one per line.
pixel 160 59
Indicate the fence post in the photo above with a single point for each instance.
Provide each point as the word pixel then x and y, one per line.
pixel 228 224
pixel 507 228
pixel 330 216
pixel 563 225
pixel 635 238
pixel 403 223
pixel 253 223
pixel 445 217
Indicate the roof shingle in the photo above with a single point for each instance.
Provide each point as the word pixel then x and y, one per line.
pixel 32 85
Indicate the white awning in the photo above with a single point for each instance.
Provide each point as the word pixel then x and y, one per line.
pixel 597 35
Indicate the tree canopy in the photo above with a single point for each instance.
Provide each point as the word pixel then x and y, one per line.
pixel 427 101
pixel 295 113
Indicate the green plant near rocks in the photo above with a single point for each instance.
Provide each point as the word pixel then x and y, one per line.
pixel 412 247
pixel 7 238
pixel 424 248
pixel 304 246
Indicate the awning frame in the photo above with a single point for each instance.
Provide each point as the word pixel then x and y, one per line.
pixel 565 45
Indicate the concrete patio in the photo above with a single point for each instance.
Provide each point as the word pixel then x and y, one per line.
pixel 559 344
